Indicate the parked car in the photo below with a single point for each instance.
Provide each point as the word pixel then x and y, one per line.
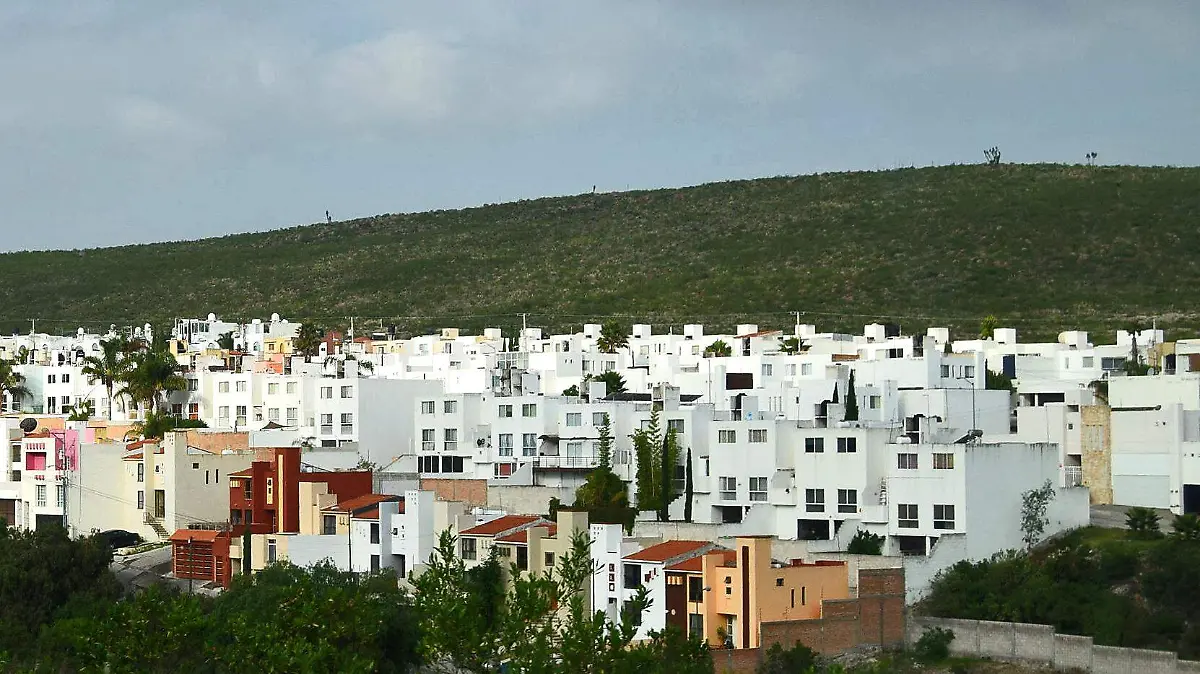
pixel 119 538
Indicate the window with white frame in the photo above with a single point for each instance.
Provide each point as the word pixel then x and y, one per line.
pixel 504 411
pixel 241 414
pixel 240 386
pixel 758 489
pixel 574 448
pixel 675 425
pixel 943 461
pixel 968 371
pixel 943 516
pixel 347 391
pixel 450 406
pixel 347 422
pixel 60 493
pixel 574 418
pixel 805 369
pixel 468 548
pixel 758 435
pixel 945 372
pixel 223 387
pixel 598 418
pixel 814 500
pixel 528 444
pixel 52 379
pixel 293 414
pixel 427 407
pixel 529 410
pixel 450 439
pixel 273 388
pixel 728 487
pixel 906 516
pixel 428 439
pixel 505 442
pixel 847 500
pixel 273 414
pixel 193 384
pixel 766 369
pixel 814 445
pixel 1089 361
pixel 847 445
pixel 223 412
pixel 291 388
pixel 327 423
pixel 727 436
pixel 906 461
pixel 326 392
pixel 789 370
pixel 874 402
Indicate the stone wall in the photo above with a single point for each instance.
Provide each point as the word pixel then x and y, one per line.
pixel 471 492
pixel 1096 451
pixel 1039 644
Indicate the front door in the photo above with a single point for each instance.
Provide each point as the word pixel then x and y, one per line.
pixel 160 503
pixel 1191 498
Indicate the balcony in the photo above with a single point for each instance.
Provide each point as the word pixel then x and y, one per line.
pixel 1072 476
pixel 582 462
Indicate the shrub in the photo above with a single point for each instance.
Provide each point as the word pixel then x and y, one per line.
pixel 798 658
pixel 865 543
pixel 1143 523
pixel 934 645
pixel 1186 527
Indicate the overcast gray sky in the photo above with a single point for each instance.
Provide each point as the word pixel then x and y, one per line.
pixel 142 120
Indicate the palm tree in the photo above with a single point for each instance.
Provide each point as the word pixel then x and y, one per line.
pixel 110 367
pixel 307 341
pixel 613 382
pixel 154 373
pixel 612 337
pixel 791 345
pixel 12 383
pixel 718 349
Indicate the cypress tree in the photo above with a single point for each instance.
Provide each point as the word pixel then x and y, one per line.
pixel 851 400
pixel 688 488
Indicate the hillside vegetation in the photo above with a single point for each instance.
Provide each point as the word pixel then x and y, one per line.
pixel 1039 246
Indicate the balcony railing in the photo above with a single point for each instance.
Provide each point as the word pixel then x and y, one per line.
pixel 1073 476
pixel 584 461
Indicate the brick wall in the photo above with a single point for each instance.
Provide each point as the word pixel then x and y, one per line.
pixel 735 661
pixel 471 492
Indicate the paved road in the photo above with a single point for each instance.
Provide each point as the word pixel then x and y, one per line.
pixel 1113 517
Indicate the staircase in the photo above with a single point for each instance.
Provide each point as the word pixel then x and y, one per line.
pixel 155 524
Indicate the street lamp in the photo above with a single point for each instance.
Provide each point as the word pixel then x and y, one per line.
pixel 974 433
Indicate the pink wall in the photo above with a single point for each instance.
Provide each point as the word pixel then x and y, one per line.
pixel 66 448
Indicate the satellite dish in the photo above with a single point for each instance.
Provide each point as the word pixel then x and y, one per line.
pixel 29 424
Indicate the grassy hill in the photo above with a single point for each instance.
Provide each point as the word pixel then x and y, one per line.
pixel 1040 246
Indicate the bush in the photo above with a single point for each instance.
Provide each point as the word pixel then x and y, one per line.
pixel 798 658
pixel 1143 523
pixel 865 543
pixel 934 645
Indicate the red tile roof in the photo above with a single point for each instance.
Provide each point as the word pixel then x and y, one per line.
pixel 132 457
pixel 361 502
pixel 372 514
pixel 693 565
pixel 522 536
pixel 242 473
pixel 195 535
pixel 666 550
pixel 500 525
pixel 38 435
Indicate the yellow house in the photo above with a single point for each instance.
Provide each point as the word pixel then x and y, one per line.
pixel 277 345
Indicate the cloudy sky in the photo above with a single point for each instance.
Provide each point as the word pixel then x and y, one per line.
pixel 142 120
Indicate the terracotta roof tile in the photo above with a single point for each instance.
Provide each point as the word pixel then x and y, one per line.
pixel 666 550
pixel 242 473
pixel 522 536
pixel 362 502
pixel 500 525
pixel 195 535
pixel 38 435
pixel 694 565
pixel 372 514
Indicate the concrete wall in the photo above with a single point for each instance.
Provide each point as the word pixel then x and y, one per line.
pixel 1039 644
pixel 527 500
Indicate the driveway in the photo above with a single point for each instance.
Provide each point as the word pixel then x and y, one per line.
pixel 1113 517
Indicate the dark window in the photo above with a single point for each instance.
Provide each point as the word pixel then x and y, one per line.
pixel 633 576
pixel 814 445
pixel 329 525
pixel 523 558
pixel 468 548
pixel 374 532
pixel 847 445
pixel 549 559
pixel 374 563
pixel 696 589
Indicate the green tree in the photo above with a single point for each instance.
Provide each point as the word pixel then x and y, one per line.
pixel 688 489
pixel 110 367
pixel 646 451
pixel 780 660
pixel 613 381
pixel 573 391
pixel 604 444
pixel 153 374
pixel 718 349
pixel 1186 527
pixel 605 497
pixel 865 543
pixel 612 337
pixel 987 327
pixel 82 411
pixel 225 341
pixel 1143 523
pixel 667 465
pixel 307 341
pixel 457 624
pixel 12 383
pixel 792 345
pixel 998 381
pixel 851 400
pixel 1034 504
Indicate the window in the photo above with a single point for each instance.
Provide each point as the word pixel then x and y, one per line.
pixel 449 406
pixel 241 411
pixel 1089 361
pixel 847 501
pixel 223 412
pixel 505 441
pixel 141 472
pixel 874 402
pixel 450 439
pixel 428 439
pixel 574 419
pixel 549 557
pixel 468 548
pixel 529 410
pixel 814 500
pixel 758 489
pixel 675 425
pixel 428 464
pixel 375 532
pixel 906 515
pixel 598 418
pixel 240 387
pixel 193 410
pixel 450 464
pixel 789 370
pixel 374 563
pixel 847 445
pixel 814 445
pixel 223 387
pixel 943 517
pixel 695 589
pixel 41 495
pixel 906 461
pixel 427 407
pixel 347 422
pixel 806 369
pixel 766 369
pixel 633 576
pixel 51 405
pixel 52 379
pixel 193 384
pixel 727 436
pixel 273 389
pixel 728 488
pixel 523 558
pixel 141 500
pixel 502 470
pixel 943 461
pixel 272 550
pixel 329 524
pixel 293 414
pixel 945 372
pixel 505 411
pixel 273 414
pixel 528 444
pixel 326 392
pixel 968 370
pixel 327 423
pixel 347 391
